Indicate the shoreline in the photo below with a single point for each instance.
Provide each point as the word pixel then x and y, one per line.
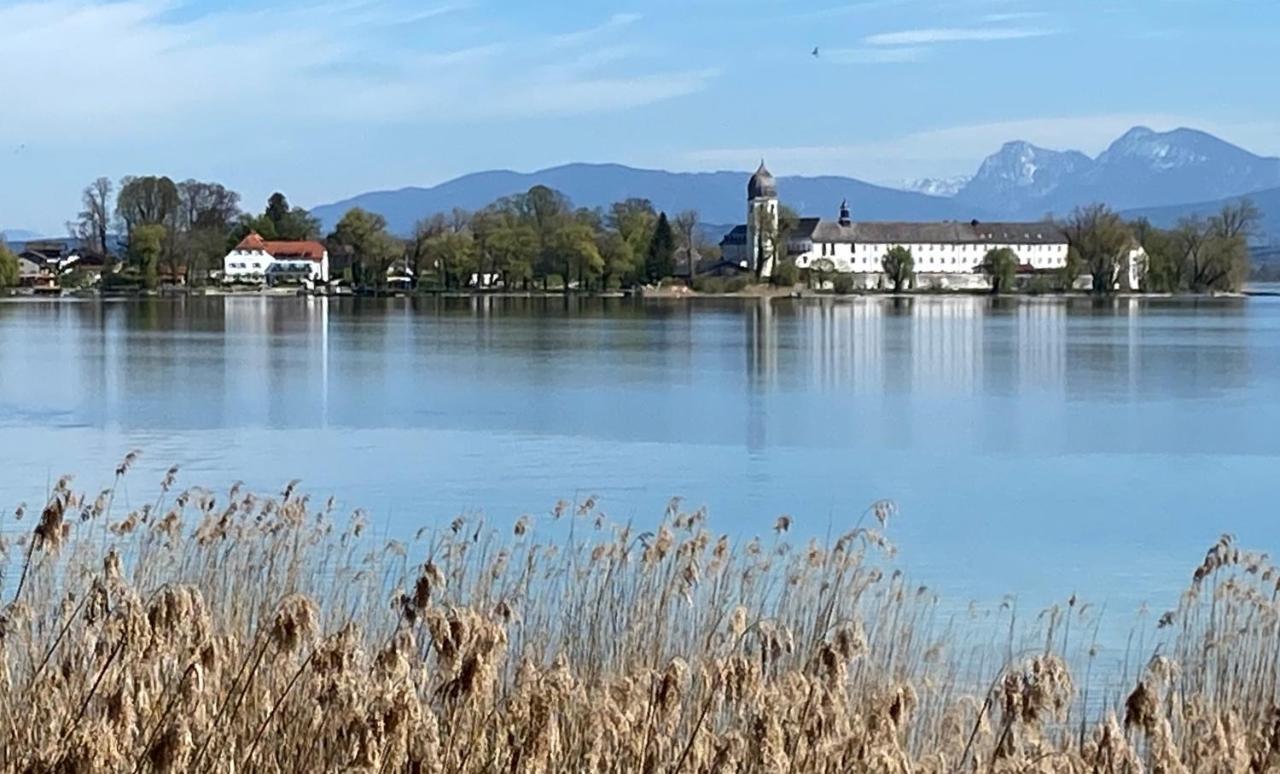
pixel 644 294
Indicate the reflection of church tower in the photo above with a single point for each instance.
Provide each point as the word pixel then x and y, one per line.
pixel 762 220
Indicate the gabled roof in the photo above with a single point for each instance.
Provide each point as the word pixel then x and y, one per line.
pixel 252 241
pixel 308 250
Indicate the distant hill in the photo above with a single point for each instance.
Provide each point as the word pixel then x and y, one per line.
pixel 17 235
pixel 719 197
pixel 1267 201
pixel 1142 169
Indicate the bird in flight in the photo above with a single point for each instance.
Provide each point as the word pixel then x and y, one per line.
pixel 815 51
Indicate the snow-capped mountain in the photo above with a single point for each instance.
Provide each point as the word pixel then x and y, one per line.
pixel 937 186
pixel 1143 168
pixel 1019 177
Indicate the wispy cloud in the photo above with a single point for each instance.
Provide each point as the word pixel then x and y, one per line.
pixel 1015 16
pixel 876 55
pixel 936 35
pixel 578 37
pixel 193 75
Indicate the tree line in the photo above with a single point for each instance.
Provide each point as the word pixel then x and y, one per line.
pixel 539 239
pixel 536 239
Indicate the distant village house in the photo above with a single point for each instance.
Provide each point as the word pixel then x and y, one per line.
pixel 256 259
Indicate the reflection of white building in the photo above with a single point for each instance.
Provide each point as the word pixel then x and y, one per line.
pixel 256 259
pixel 951 252
pixel 1042 344
pixel 844 344
pixel 946 344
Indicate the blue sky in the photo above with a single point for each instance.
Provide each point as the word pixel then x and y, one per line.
pixel 324 100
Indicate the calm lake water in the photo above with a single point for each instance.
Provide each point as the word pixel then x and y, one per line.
pixel 1042 447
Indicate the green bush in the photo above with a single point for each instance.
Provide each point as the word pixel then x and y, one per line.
pixel 843 284
pixel 786 274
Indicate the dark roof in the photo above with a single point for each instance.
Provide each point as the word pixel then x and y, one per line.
pixel 738 236
pixel 762 184
pixel 941 233
pixel 805 228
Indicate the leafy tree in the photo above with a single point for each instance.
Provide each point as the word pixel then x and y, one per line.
pixel 1070 270
pixel 1001 267
pixel 146 246
pixel 511 242
pixel 1102 240
pixel 576 245
pixel 9 270
pixel 1164 266
pixel 362 237
pixel 278 221
pixel 659 261
pixel 277 210
pixel 618 260
pixel 900 267
pixel 634 220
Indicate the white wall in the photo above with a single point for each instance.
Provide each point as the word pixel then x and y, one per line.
pixel 933 258
pixel 253 265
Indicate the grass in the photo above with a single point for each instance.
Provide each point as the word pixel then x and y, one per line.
pixel 232 632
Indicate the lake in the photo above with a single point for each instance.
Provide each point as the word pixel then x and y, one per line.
pixel 1036 446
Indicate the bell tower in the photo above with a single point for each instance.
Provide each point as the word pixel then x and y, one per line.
pixel 762 220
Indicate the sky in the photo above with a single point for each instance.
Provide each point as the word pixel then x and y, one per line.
pixel 324 100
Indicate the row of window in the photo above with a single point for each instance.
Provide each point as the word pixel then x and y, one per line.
pixel 871 261
pixel 829 248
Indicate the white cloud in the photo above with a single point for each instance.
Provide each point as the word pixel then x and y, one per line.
pixel 937 35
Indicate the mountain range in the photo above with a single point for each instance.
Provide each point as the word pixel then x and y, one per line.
pixel 1163 175
pixel 1160 175
pixel 1142 169
pixel 719 197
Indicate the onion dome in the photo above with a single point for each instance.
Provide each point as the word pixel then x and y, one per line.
pixel 762 185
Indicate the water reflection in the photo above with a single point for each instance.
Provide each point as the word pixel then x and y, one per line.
pixel 1137 417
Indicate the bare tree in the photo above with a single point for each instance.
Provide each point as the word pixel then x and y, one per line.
pixel 687 240
pixel 95 219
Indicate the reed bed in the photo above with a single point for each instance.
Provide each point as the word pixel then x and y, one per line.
pixel 236 633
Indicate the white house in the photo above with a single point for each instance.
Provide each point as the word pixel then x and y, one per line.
pixel 950 252
pixel 257 260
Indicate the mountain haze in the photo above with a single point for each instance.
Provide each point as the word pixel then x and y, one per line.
pixel 719 197
pixel 1268 202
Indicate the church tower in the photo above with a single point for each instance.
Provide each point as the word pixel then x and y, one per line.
pixel 762 220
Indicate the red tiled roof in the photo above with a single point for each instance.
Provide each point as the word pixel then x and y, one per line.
pixel 307 250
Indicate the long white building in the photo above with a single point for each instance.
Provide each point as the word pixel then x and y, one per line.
pixel 949 253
